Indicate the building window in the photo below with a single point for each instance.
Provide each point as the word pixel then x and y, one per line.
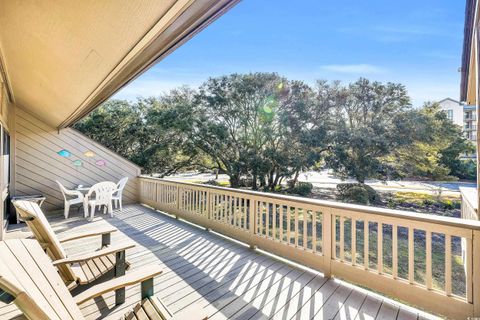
pixel 450 114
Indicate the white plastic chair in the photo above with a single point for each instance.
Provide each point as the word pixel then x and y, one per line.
pixel 78 198
pixel 117 196
pixel 103 197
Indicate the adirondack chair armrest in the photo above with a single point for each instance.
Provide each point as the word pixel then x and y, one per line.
pixel 133 277
pixel 87 234
pixel 91 255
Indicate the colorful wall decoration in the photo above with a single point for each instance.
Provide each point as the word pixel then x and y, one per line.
pixel 78 162
pixel 64 153
pixel 101 163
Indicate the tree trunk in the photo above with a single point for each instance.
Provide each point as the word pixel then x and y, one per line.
pixel 275 181
pixel 234 180
pixel 295 179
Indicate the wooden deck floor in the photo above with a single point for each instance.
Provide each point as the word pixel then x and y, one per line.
pixel 229 280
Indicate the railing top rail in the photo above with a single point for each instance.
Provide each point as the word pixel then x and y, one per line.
pixel 445 221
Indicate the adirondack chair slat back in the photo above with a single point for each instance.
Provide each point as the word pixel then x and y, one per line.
pixel 28 275
pixel 38 224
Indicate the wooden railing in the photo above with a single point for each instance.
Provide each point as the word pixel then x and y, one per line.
pixel 429 261
pixel 469 203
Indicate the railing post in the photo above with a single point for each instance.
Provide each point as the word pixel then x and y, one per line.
pixel 327 239
pixel 253 220
pixel 476 272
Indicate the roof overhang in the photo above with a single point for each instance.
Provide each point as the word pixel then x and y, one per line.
pixel 61 59
pixel 468 69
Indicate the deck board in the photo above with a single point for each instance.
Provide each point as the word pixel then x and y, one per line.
pixel 227 279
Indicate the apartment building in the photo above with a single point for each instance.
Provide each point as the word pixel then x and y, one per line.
pixel 464 116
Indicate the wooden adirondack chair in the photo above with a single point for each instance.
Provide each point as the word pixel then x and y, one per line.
pixel 79 269
pixel 28 278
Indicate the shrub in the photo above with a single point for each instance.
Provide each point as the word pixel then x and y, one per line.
pixel 302 189
pixel 345 194
pixel 450 204
pixel 354 194
pixel 212 182
pixel 391 203
pixel 427 202
pixel 246 182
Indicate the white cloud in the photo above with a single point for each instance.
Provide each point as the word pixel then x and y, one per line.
pixel 354 68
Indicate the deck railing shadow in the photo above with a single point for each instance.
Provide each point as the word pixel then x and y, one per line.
pixel 204 268
pixel 224 276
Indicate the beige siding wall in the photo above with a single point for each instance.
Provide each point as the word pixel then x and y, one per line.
pixel 5 119
pixel 37 164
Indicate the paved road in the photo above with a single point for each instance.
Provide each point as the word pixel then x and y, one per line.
pixel 326 179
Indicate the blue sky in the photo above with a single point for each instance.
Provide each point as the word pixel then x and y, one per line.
pixel 414 42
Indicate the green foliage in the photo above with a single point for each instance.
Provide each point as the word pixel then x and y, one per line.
pixel 354 193
pixel 212 183
pixel 435 150
pixel 262 129
pixel 369 125
pixel 259 125
pixel 302 188
pixel 345 193
pixel 343 189
pixel 149 132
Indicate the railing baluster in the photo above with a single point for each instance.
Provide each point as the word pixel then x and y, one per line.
pixel 296 227
pixel 334 237
pixel 280 223
pixel 225 209
pixel 168 194
pixel 253 215
pixel 198 203
pixel 394 251
pixel 305 225
pixel 267 219
pixel 428 258
pixel 448 264
pixel 289 222
pixel 235 213
pixel 314 231
pixel 274 221
pixel 411 256
pixel 354 241
pixel 365 244
pixel 261 211
pixel 380 248
pixel 468 270
pixel 191 200
pixel 239 212
pixel 342 238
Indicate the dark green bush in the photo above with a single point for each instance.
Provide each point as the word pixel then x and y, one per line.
pixel 302 189
pixel 450 204
pixel 355 194
pixel 428 202
pixel 212 182
pixel 345 193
